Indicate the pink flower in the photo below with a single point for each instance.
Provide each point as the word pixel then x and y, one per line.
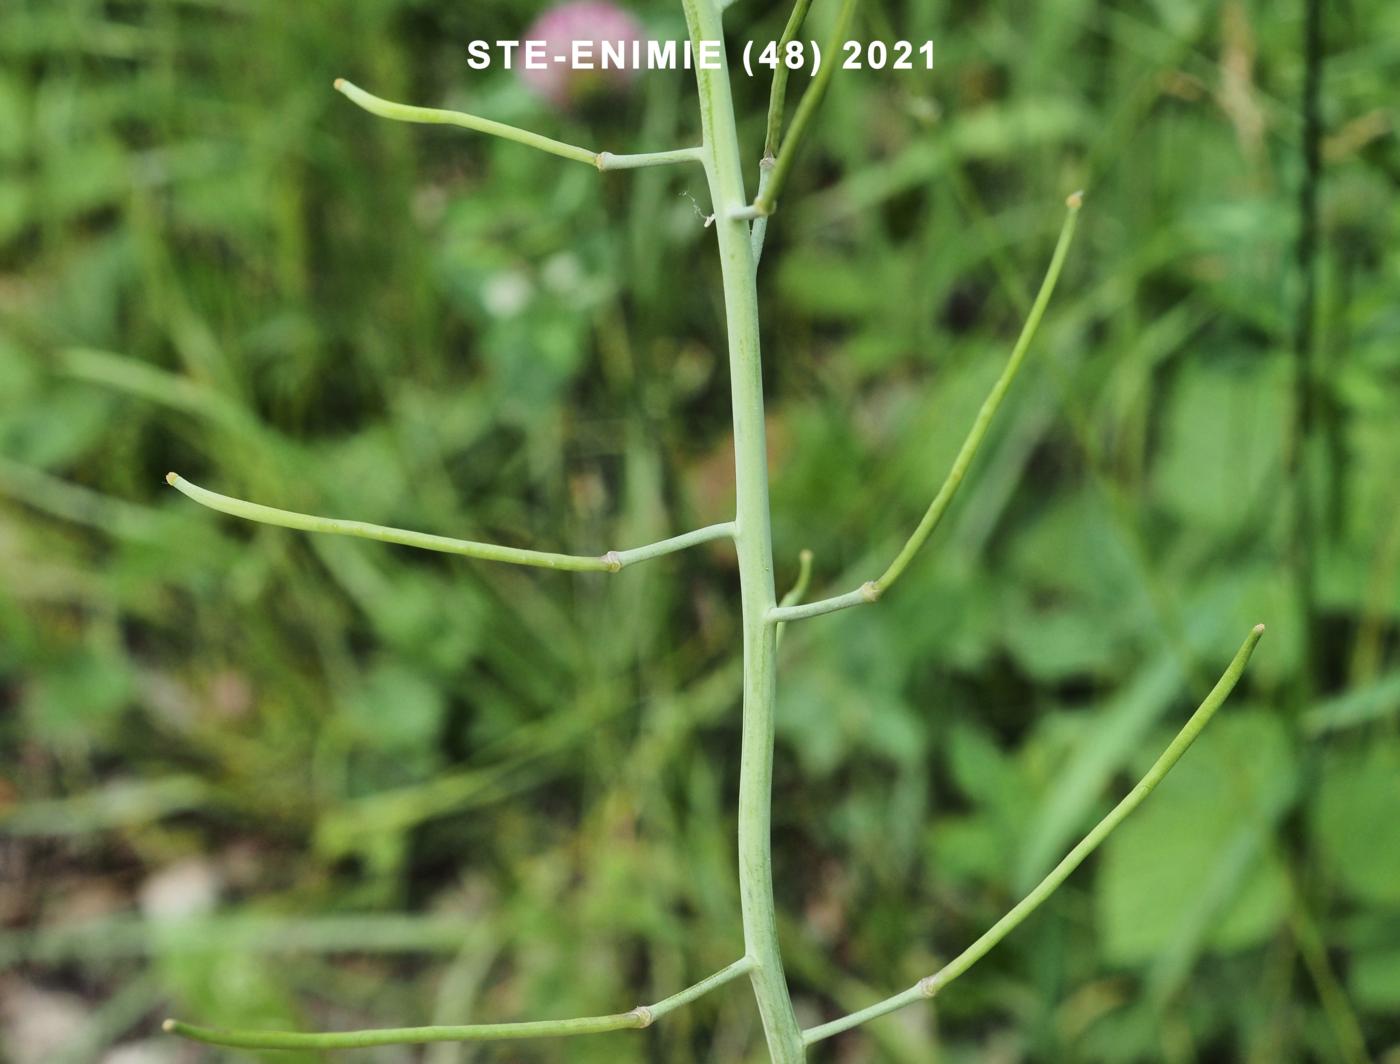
pixel 595 21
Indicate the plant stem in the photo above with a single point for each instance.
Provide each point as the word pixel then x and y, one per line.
pixel 777 94
pixel 804 580
pixel 929 986
pixel 610 562
pixel 990 405
pixel 606 160
pixel 864 595
pixel 436 116
pixel 871 591
pixel 753 540
pixel 1306 381
pixel 767 200
pixel 390 1036
pixel 795 593
pixel 740 967
pixel 402 112
pixel 759 233
pixel 636 1019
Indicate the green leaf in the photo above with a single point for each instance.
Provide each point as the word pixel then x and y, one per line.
pixel 1374 980
pixel 979 767
pixel 963 848
pixel 396 709
pixel 829 286
pixel 1222 449
pixel 849 705
pixel 1355 825
pixel 1058 643
pixel 14 124
pixel 1069 566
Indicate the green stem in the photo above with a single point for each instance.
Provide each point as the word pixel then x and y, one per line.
pixel 610 562
pixel 990 405
pixel 758 232
pixel 767 199
pixel 402 112
pixel 872 590
pixel 861 596
pixel 931 985
pixel 390 1036
pixel 777 94
pixel 803 581
pixel 608 161
pixel 740 967
pixel 753 540
pixel 799 588
pixel 621 559
pixel 641 1016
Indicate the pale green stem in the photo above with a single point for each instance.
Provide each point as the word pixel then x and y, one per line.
pixel 803 581
pixel 608 161
pixel 610 562
pixel 636 1019
pixel 777 94
pixel 621 559
pixel 777 97
pixel 872 590
pixel 758 231
pixel 740 967
pixel 389 1036
pixel 929 986
pixel 991 404
pixel 799 588
pixel 400 112
pixel 753 540
pixel 811 100
pixel 861 596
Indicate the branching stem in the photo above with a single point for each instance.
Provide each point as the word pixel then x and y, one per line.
pixel 740 967
pixel 753 541
pixel 641 1016
pixel 606 160
pixel 767 199
pixel 401 112
pixel 777 97
pixel 991 404
pixel 740 246
pixel 864 595
pixel 870 592
pixel 803 581
pixel 611 562
pixel 799 587
pixel 777 93
pixel 931 985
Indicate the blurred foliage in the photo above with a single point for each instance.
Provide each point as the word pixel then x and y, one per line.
pixel 263 779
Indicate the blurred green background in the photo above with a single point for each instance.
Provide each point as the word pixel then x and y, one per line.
pixel 249 777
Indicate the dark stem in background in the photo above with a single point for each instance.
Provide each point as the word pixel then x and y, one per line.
pixel 1304 351
pixel 1346 1030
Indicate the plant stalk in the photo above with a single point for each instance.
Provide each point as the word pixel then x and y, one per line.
pixel 753 541
pixel 930 985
